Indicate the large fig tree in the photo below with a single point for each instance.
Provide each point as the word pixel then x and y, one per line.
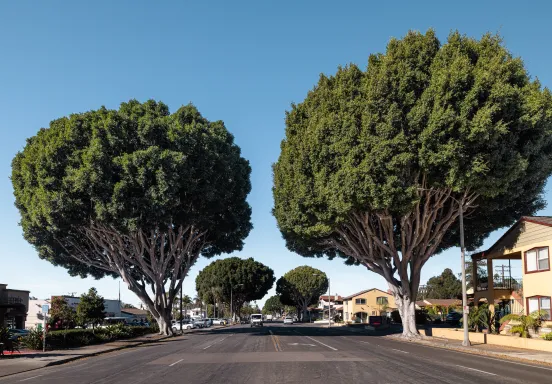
pixel 236 281
pixel 137 192
pixel 377 164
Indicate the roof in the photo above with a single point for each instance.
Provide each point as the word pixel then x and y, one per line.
pixel 135 311
pixel 443 302
pixel 334 297
pixel 541 220
pixel 363 292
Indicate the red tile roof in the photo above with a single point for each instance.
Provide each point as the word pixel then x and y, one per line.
pixel 362 292
pixel 334 297
pixel 443 302
pixel 135 311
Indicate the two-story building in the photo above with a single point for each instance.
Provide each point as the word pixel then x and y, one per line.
pixel 370 302
pixel 528 241
pixel 14 304
pixel 336 302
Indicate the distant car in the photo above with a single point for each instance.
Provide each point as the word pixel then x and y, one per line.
pixel 256 320
pixel 288 320
pixel 269 317
pixel 453 318
pixel 219 322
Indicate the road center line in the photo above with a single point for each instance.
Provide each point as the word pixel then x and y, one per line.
pixel 30 378
pixel 319 342
pixel 176 362
pixel 218 341
pixel 275 341
pixel 477 370
pixel 398 350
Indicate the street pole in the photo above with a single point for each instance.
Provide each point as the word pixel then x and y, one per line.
pixel 329 305
pixel 465 309
pixel 181 316
pixel 44 334
pixel 231 309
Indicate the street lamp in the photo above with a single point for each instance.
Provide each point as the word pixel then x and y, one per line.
pixel 231 308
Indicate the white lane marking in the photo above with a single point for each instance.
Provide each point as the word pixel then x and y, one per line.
pixel 34 377
pixel 309 345
pixel 477 370
pixel 398 350
pixel 176 362
pixel 218 341
pixel 537 366
pixel 270 332
pixel 316 341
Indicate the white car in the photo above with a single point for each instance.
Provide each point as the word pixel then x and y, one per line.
pixel 185 325
pixel 256 320
pixel 288 320
pixel 219 322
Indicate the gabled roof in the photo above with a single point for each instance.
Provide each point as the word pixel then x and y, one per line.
pixel 334 297
pixel 541 220
pixel 443 302
pixel 363 292
pixel 135 311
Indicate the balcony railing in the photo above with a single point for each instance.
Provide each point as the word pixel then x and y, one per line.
pixel 506 283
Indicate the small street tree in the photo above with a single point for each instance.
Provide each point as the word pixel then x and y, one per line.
pixel 243 279
pixel 91 308
pixel 273 305
pixel 136 192
pixel 444 286
pixel 61 314
pixel 377 165
pixel 302 287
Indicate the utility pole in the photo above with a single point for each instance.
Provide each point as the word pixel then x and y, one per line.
pixel 181 316
pixel 329 305
pixel 465 308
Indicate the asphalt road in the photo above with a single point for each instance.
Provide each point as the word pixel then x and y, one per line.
pixel 285 354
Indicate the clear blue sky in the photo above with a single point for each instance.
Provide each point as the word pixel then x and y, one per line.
pixel 240 61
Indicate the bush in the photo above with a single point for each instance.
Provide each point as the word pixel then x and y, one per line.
pixel 74 338
pixel 33 340
pixel 547 336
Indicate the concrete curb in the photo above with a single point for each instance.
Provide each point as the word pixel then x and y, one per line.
pixel 83 356
pixel 472 351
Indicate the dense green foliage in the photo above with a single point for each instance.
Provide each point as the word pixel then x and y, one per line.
pixel 91 308
pixel 273 305
pixel 74 338
pixel 302 287
pixel 444 286
pixel 464 115
pixel 248 279
pixel 138 167
pixel 61 314
pixel 523 324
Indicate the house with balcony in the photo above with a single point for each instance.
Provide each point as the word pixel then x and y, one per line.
pixel 14 304
pixel 526 243
pixel 324 306
pixel 357 308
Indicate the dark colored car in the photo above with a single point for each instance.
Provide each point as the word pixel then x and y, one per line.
pixel 453 318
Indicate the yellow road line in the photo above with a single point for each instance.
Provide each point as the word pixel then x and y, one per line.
pixel 275 341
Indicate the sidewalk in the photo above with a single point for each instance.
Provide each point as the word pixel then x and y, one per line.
pixel 29 360
pixel 508 353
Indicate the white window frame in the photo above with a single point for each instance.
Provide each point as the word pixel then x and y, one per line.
pixel 533 259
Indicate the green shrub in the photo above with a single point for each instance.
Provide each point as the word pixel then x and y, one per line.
pixel 547 336
pixel 73 338
pixel 33 340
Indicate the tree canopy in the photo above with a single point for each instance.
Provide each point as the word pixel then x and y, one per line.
pixel 91 308
pixel 136 192
pixel 273 305
pixel 377 164
pixel 248 279
pixel 444 286
pixel 302 287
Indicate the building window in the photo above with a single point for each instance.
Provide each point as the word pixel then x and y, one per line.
pixel 539 303
pixel 360 301
pixel 537 260
pixel 382 300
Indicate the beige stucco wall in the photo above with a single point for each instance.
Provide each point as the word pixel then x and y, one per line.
pixel 527 236
pixel 371 308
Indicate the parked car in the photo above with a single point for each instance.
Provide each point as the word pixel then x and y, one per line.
pixel 453 318
pixel 256 320
pixel 186 324
pixel 219 322
pixel 288 320
pixel 269 317
pixel 15 334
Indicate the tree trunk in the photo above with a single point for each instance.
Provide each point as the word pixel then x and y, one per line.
pixel 164 323
pixel 407 310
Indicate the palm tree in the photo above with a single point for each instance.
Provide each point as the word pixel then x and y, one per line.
pixel 525 323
